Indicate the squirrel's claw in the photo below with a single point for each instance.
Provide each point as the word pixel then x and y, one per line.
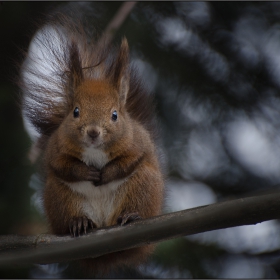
pixel 78 224
pixel 127 218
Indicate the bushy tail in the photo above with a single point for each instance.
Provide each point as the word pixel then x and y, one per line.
pixel 59 52
pixel 49 67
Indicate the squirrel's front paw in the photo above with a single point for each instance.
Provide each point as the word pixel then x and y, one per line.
pixel 78 224
pixel 127 218
pixel 100 181
pixel 93 174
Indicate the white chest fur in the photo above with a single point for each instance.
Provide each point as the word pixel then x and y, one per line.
pixel 99 202
pixel 94 156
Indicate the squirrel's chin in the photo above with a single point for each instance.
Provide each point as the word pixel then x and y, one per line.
pixel 93 144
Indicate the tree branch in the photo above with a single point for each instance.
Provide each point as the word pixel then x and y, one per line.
pixel 46 248
pixel 116 22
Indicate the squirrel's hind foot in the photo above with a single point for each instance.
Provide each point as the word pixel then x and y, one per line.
pixel 80 224
pixel 127 218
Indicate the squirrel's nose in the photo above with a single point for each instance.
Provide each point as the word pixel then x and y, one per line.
pixel 93 134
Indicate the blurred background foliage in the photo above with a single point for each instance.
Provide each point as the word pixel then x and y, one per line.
pixel 214 68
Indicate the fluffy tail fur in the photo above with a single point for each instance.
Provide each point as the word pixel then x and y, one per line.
pixel 60 52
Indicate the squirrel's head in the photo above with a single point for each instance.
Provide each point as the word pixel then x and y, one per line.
pixel 98 115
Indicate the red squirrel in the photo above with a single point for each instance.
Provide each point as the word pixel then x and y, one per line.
pixel 95 122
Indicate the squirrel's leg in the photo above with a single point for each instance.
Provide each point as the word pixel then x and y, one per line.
pixel 140 196
pixel 63 209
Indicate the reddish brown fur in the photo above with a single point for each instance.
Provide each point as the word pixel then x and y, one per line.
pixel 128 142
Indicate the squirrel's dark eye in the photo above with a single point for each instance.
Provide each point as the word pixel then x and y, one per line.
pixel 114 115
pixel 76 112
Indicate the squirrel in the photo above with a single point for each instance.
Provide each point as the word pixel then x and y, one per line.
pixel 95 124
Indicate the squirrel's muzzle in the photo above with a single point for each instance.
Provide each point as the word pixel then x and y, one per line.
pixel 93 134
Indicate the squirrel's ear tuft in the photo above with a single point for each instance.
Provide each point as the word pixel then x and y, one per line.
pixel 75 66
pixel 121 71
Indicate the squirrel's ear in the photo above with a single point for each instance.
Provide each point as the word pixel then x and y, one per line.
pixel 75 66
pixel 121 71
